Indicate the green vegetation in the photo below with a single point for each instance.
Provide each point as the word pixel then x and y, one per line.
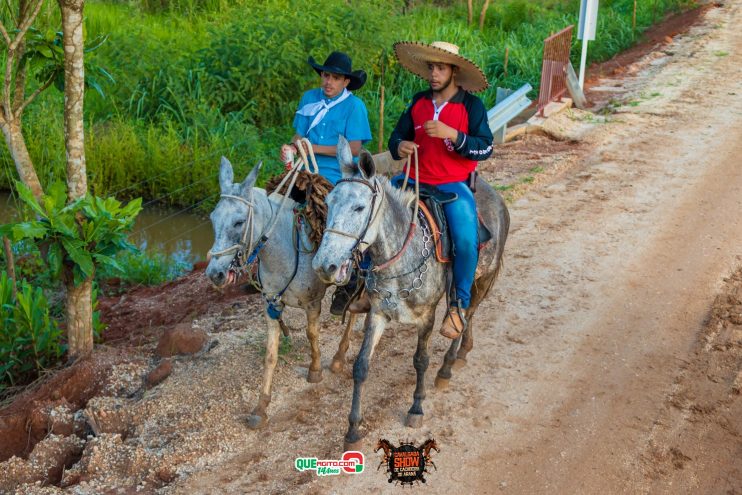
pixel 83 238
pixel 142 268
pixel 31 340
pixel 196 79
pixel 78 236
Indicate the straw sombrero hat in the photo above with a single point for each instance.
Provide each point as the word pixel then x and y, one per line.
pixel 415 57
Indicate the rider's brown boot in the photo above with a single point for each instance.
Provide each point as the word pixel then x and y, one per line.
pixel 360 305
pixel 454 323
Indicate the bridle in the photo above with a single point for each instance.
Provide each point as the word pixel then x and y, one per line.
pixel 245 243
pixel 377 199
pixel 305 161
pixel 361 245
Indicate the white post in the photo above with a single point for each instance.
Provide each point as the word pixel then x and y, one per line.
pixel 583 60
pixel 585 36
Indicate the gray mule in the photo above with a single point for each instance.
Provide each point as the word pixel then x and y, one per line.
pixel 365 212
pixel 235 238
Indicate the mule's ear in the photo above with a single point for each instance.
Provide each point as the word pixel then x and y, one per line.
pixel 366 164
pixel 345 158
pixel 249 181
pixel 226 176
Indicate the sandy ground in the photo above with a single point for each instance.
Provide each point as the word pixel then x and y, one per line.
pixel 598 367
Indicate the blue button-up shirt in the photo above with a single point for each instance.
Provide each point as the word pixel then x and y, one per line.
pixel 348 118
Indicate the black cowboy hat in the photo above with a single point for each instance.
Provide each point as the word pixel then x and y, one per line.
pixel 340 63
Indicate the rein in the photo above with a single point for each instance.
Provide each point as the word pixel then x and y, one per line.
pixel 413 221
pixel 303 162
pixel 358 249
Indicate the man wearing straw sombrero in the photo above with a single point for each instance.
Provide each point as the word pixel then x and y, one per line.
pixel 448 126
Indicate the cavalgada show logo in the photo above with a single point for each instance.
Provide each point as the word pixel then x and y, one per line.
pixel 351 462
pixel 407 464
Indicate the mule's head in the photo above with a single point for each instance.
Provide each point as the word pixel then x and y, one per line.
pixel 352 208
pixel 233 222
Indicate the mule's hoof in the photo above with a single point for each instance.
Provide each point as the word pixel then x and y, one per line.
pixel 442 383
pixel 414 420
pixel 459 363
pixel 336 366
pixel 255 421
pixel 357 445
pixel 314 376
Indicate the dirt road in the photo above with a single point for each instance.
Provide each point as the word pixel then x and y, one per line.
pixel 579 378
pixel 598 367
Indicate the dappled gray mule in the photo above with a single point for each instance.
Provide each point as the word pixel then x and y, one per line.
pixel 241 218
pixel 367 214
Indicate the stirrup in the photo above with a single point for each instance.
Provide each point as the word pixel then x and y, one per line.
pixel 345 295
pixel 450 328
pixel 361 305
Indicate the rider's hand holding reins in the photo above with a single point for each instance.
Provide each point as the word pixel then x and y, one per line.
pixel 406 148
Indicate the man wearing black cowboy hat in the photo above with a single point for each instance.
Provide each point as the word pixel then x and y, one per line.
pixel 331 110
pixel 325 113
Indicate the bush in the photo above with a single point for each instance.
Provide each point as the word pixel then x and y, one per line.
pixel 141 268
pixel 30 341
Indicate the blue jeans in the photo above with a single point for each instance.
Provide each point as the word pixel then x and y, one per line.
pixel 463 224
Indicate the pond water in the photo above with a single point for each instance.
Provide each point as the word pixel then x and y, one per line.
pixel 185 236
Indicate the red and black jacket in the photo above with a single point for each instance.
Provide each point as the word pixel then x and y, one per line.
pixel 440 160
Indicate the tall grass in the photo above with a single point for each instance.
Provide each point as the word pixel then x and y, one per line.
pixel 196 79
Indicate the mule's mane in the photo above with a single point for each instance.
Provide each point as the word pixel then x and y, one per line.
pixel 403 198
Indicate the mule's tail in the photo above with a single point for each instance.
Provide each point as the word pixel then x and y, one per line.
pixel 482 285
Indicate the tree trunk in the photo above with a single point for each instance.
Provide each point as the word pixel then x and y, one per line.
pixel 470 8
pixel 17 147
pixel 79 319
pixel 483 14
pixel 79 299
pixel 74 90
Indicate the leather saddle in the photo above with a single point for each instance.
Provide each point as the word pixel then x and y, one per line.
pixel 432 200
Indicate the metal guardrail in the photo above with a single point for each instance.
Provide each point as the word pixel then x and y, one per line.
pixel 506 110
pixel 554 68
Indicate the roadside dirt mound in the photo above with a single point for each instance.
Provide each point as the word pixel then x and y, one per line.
pixel 136 322
pixel 48 408
pixel 137 317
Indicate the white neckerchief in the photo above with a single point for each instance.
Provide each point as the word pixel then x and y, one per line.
pixel 320 108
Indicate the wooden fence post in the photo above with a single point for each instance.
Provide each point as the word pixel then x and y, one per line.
pixel 505 65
